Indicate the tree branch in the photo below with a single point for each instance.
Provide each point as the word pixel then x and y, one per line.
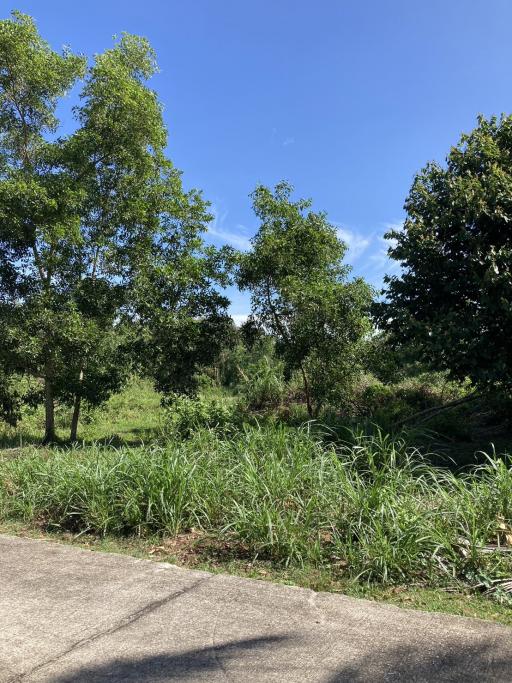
pixel 428 413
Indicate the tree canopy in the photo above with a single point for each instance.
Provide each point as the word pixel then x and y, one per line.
pixel 300 293
pixel 95 227
pixel 453 298
pixel 104 270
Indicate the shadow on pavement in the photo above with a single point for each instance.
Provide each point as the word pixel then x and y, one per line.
pixel 454 662
pixel 171 667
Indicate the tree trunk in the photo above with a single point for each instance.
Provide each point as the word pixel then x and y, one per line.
pixel 307 392
pixel 49 407
pixel 76 411
pixel 74 417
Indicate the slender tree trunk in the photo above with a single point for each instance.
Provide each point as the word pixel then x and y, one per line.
pixel 49 406
pixel 74 417
pixel 307 392
pixel 316 410
pixel 76 411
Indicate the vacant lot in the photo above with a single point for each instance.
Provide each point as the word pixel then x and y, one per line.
pixel 367 514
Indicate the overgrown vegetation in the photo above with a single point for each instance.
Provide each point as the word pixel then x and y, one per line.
pixel 370 508
pixel 331 435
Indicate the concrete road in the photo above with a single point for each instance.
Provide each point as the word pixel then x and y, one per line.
pixel 76 616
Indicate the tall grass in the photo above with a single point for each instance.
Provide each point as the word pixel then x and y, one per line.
pixel 371 508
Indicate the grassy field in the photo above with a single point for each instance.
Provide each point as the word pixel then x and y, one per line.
pixel 367 516
pixel 130 418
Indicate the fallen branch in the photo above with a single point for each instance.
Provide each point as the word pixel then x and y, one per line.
pixel 494 549
pixel 428 413
pixel 494 585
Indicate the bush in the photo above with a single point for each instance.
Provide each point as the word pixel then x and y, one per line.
pixel 389 404
pixel 265 386
pixel 255 373
pixel 187 414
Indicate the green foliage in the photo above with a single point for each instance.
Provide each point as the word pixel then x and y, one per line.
pixel 264 387
pixel 178 344
pixel 254 372
pixel 300 294
pixel 371 508
pixel 103 272
pixel 186 415
pixel 389 361
pixel 410 395
pixel 15 392
pixel 101 257
pixel 452 299
pixel 32 79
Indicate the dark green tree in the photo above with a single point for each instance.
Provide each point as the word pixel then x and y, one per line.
pixel 301 294
pixel 453 297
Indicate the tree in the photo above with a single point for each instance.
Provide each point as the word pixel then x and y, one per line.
pixel 87 218
pixel 180 317
pixel 301 295
pixel 453 298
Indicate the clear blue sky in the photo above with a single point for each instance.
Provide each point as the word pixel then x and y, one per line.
pixel 344 98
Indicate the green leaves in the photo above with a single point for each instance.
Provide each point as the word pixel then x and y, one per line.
pixel 300 293
pixel 100 245
pixel 453 298
pixel 32 79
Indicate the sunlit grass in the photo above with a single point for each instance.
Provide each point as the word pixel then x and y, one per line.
pixel 374 509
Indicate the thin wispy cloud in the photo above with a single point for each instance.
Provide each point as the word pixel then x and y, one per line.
pixel 236 237
pixel 232 238
pixel 395 225
pixel 288 141
pixel 368 253
pixel 357 242
pixel 379 264
pixel 382 256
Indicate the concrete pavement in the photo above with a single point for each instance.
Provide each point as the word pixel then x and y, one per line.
pixel 75 616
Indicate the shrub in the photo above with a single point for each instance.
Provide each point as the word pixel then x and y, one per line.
pixel 255 373
pixel 265 386
pixel 187 414
pixel 389 404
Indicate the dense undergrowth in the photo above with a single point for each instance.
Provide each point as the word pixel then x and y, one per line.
pixel 232 480
pixel 371 508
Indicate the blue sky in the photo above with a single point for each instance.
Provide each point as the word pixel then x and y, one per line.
pixel 346 99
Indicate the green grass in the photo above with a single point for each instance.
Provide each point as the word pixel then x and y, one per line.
pixel 373 509
pixel 131 417
pixel 369 517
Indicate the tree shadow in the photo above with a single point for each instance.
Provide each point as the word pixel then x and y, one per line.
pixel 175 667
pixel 136 436
pixel 459 661
pixel 17 442
pixel 133 438
pixel 456 660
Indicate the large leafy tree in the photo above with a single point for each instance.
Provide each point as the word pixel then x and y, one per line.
pixel 301 294
pixel 453 297
pixel 95 227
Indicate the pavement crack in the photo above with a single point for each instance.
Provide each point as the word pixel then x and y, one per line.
pixel 123 623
